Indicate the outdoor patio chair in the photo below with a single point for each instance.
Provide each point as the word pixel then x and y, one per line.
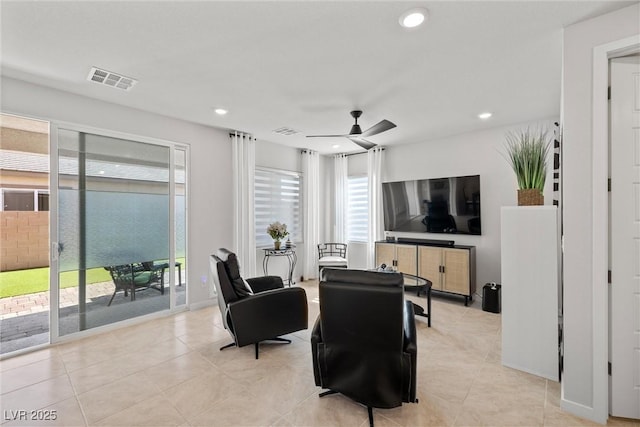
pixel 136 276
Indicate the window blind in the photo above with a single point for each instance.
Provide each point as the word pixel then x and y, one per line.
pixel 277 198
pixel 357 208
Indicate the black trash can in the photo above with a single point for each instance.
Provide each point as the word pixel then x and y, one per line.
pixel 491 297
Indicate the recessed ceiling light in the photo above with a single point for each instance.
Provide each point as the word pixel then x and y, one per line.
pixel 413 17
pixel 335 146
pixel 484 116
pixel 220 111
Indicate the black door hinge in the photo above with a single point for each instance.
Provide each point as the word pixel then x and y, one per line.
pixel 609 276
pixel 609 184
pixel 609 92
pixel 609 367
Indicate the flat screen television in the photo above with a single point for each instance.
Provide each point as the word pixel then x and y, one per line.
pixel 438 205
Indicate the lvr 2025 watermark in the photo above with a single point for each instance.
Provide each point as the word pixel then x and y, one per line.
pixel 30 415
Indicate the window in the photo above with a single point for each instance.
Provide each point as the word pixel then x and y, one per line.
pixel 277 198
pixel 357 208
pixel 25 200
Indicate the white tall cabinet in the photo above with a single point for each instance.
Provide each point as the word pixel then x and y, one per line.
pixel 530 310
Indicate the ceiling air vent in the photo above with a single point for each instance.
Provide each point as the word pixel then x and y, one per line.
pixel 111 79
pixel 285 131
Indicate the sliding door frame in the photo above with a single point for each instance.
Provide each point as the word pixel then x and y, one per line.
pixel 54 288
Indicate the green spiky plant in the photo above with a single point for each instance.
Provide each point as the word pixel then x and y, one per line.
pixel 527 151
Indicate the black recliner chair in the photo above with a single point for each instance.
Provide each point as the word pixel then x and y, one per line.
pixel 260 309
pixel 364 340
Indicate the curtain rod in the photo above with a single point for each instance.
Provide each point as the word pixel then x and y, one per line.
pixel 304 150
pixel 362 152
pixel 244 133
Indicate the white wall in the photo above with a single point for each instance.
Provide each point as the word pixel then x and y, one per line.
pixel 476 153
pixel 209 211
pixel 585 383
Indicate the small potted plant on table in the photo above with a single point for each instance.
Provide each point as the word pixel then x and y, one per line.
pixel 277 231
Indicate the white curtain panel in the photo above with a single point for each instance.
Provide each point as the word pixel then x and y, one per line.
pixel 244 236
pixel 376 224
pixel 310 212
pixel 340 167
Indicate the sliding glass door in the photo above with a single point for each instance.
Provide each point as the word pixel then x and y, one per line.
pixel 121 227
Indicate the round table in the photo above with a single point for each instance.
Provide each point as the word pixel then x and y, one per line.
pixel 420 285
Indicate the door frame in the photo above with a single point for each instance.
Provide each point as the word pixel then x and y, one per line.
pixel 54 289
pixel 600 205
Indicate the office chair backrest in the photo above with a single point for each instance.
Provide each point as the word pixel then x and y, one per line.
pixel 361 315
pixel 362 309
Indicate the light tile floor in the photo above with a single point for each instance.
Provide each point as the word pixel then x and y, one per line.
pixel 170 372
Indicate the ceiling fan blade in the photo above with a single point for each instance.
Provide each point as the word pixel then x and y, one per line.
pixel 327 136
pixel 367 145
pixel 379 127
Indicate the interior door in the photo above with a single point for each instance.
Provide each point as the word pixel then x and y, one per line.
pixel 625 238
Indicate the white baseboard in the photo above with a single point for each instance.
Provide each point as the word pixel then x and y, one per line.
pixel 582 411
pixel 202 304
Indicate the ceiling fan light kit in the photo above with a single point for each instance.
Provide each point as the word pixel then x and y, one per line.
pixel 357 136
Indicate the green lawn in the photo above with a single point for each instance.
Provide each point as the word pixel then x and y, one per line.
pixel 23 282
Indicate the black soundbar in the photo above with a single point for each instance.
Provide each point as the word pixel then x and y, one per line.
pixel 427 242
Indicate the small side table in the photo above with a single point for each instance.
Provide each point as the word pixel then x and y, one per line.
pixel 289 253
pixel 164 266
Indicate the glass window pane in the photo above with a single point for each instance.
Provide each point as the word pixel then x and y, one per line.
pixel 18 201
pixel 181 225
pixel 113 218
pixel 43 202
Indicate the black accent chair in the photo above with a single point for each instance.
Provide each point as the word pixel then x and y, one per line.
pixel 260 309
pixel 364 341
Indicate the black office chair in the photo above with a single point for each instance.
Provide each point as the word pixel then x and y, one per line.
pixel 258 309
pixel 364 340
pixel 438 218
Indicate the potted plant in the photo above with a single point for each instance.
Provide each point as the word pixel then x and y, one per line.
pixel 527 152
pixel 277 231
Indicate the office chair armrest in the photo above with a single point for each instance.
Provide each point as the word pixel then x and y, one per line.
pixel 316 338
pixel 265 283
pixel 410 344
pixel 269 314
pixel 316 332
pixel 410 349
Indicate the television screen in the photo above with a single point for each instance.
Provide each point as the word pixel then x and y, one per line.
pixel 441 205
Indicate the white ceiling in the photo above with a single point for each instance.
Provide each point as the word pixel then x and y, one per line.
pixel 305 64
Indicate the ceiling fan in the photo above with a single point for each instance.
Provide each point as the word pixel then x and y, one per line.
pixel 357 136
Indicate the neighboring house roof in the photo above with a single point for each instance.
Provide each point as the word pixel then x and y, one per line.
pixel 39 163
